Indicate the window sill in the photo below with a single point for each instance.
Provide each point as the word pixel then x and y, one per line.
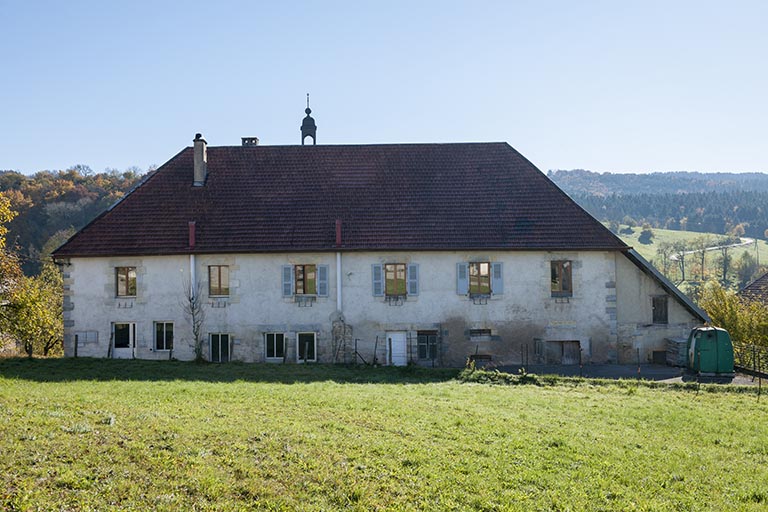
pixel 305 301
pixel 479 298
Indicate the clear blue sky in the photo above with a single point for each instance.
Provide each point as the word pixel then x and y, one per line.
pixel 608 86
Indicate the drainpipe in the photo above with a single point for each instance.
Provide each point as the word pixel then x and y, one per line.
pixel 338 266
pixel 338 281
pixel 192 288
pixel 192 279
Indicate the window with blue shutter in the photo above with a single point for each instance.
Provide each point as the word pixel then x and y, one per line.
pixel 462 278
pixel 322 280
pixel 287 280
pixel 378 280
pixel 497 279
pixel 413 279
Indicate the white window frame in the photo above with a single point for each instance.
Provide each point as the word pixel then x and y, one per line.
pixel 165 335
pixel 229 346
pixel 266 346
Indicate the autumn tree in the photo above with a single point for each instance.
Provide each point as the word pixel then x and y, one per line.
pixel 646 235
pixel 36 314
pixel 746 321
pixel 746 268
pixel 10 270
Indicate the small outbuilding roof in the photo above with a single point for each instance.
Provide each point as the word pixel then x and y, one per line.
pixel 757 290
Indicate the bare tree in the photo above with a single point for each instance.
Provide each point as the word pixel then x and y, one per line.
pixel 680 249
pixel 700 245
pixel 725 259
pixel 192 305
pixel 664 251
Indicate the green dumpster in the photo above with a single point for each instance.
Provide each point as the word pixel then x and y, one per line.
pixel 710 351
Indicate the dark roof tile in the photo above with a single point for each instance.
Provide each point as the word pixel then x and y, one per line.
pixel 399 196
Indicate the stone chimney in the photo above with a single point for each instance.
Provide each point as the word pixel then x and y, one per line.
pixel 250 141
pixel 201 160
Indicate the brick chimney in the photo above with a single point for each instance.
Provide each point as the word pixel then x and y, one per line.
pixel 201 160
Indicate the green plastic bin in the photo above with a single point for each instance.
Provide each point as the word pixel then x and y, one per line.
pixel 710 351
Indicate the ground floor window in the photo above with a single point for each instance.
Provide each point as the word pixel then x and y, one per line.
pixel 307 342
pixel 123 335
pixel 427 343
pixel 275 343
pixel 163 335
pixel 480 335
pixel 219 348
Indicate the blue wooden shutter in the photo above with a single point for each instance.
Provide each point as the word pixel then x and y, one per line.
pixel 378 280
pixel 462 278
pixel 497 278
pixel 412 277
pixel 287 280
pixel 322 280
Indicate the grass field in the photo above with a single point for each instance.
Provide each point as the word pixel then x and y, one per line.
pixel 132 435
pixel 712 265
pixel 648 251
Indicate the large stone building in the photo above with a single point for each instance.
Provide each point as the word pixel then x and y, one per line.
pixel 423 253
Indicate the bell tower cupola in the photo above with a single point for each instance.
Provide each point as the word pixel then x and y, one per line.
pixel 308 126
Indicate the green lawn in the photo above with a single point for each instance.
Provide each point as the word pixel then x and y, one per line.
pixel 132 435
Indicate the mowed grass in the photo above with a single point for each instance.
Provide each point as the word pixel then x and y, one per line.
pixel 132 435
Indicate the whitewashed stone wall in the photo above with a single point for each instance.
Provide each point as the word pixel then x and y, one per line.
pixel 609 314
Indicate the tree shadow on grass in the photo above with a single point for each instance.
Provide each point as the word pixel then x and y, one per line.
pixel 89 369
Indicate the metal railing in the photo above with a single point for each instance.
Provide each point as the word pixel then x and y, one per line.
pixel 751 359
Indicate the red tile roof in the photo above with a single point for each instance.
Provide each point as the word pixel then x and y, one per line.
pixel 398 196
pixel 757 290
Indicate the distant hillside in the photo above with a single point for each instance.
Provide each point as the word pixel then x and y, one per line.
pixel 579 181
pixel 689 201
pixel 51 205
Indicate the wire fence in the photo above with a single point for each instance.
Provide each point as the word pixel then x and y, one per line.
pixel 752 358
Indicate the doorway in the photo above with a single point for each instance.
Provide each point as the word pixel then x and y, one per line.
pixel 563 352
pixel 397 347
pixel 123 340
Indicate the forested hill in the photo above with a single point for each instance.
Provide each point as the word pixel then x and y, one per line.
pixel 579 181
pixel 52 205
pixel 720 203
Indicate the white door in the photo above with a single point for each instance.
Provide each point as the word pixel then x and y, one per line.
pixel 123 340
pixel 397 345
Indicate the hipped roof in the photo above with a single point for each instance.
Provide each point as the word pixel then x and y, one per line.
pixel 473 196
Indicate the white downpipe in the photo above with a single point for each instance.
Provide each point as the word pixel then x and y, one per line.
pixel 192 278
pixel 338 281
